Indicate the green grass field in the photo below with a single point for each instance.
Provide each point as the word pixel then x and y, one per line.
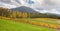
pixel 6 25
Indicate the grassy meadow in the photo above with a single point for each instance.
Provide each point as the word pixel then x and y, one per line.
pixel 46 20
pixel 7 25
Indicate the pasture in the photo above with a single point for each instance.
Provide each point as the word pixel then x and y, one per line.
pixel 6 25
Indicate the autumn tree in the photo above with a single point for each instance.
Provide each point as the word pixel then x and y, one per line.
pixel 4 12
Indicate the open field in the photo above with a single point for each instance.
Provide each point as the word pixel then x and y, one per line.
pixel 46 20
pixel 6 25
pixel 41 22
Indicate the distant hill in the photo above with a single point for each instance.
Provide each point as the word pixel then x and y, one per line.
pixel 24 9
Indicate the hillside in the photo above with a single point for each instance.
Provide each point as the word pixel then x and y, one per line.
pixel 6 25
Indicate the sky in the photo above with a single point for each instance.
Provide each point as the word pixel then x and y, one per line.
pixel 47 6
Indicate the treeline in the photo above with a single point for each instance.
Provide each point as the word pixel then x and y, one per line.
pixel 12 14
pixel 40 15
pixel 18 14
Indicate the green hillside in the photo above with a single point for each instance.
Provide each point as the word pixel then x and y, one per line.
pixel 16 26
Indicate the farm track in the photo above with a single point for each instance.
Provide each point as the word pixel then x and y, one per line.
pixel 53 26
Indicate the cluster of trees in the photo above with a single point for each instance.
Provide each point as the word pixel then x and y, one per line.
pixel 18 14
pixel 12 13
pixel 4 12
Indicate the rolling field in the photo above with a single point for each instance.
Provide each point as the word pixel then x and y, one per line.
pixel 46 20
pixel 6 25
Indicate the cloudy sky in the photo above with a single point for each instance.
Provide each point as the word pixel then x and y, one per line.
pixel 46 3
pixel 47 6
